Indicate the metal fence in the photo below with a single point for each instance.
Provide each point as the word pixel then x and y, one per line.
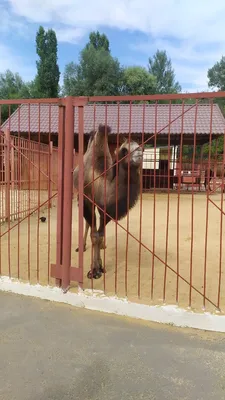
pixel 168 247
pixel 28 176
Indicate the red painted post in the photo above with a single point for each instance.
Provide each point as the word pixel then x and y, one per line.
pixel 50 173
pixel 81 185
pixel 7 175
pixel 12 165
pixel 62 270
pixel 60 193
pixel 67 192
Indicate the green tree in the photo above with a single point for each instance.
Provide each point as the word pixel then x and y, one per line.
pixel 216 80
pixel 73 82
pixel 12 86
pixel 137 81
pixel 46 83
pixel 216 75
pixel 97 72
pixel 160 66
pixel 98 41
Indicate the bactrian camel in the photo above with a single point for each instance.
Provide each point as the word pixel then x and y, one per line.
pixel 106 196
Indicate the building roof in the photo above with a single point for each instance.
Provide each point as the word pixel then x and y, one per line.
pixel 48 119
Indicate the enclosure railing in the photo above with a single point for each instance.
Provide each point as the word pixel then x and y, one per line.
pixel 167 248
pixel 28 171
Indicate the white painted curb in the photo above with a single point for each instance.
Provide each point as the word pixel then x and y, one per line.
pixel 98 301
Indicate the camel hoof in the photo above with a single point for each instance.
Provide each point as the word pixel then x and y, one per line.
pixel 95 274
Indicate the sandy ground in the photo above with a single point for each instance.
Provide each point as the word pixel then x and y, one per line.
pixel 21 201
pixel 127 272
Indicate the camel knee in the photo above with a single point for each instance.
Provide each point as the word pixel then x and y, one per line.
pixel 95 238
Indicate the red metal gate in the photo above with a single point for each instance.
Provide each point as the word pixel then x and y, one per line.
pixel 166 248
pixel 180 127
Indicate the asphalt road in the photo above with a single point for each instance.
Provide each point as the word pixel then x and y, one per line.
pixel 52 351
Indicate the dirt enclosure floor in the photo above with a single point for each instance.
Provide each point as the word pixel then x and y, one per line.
pixel 130 267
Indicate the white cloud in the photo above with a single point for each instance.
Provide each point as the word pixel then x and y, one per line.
pixel 197 25
pixel 190 64
pixel 199 20
pixel 69 35
pixel 16 63
pixel 10 22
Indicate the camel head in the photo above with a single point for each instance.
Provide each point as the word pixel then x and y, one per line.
pixel 136 153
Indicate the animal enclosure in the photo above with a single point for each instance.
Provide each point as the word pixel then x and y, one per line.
pixel 168 247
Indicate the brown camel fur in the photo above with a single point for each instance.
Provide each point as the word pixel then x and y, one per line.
pixel 127 182
pixel 103 246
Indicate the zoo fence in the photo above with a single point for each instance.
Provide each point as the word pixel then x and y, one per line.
pixel 169 246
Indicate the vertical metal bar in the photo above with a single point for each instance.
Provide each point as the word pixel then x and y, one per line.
pixel 154 207
pixel 29 191
pixel 81 183
pixel 60 188
pixel 178 202
pixel 207 208
pixel 67 193
pixel 39 191
pixel 141 203
pixel 105 200
pixel 168 207
pixel 12 164
pixel 93 197
pixel 201 166
pixel 1 179
pixel 192 204
pixel 215 166
pixel 117 174
pixel 128 202
pixel 19 197
pixel 221 225
pixel 50 150
pixel 7 194
pixel 7 174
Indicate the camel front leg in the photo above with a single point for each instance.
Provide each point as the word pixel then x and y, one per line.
pixel 97 269
pixel 85 237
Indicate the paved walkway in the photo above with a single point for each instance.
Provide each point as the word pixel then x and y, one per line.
pixel 51 351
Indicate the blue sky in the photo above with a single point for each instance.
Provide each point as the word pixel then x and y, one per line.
pixel 192 32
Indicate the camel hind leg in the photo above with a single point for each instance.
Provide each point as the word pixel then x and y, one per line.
pixel 102 244
pixel 96 268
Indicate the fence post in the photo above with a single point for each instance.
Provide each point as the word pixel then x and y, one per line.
pixel 67 192
pixel 74 154
pixel 50 173
pixel 62 270
pixel 81 186
pixel 56 269
pixel 7 174
pixel 12 164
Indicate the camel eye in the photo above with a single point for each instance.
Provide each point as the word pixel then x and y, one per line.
pixel 124 151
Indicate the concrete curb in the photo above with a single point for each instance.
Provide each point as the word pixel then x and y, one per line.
pixel 96 300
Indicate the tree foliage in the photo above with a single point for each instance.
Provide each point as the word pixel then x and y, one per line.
pixel 137 81
pixel 11 87
pixel 98 41
pixel 160 66
pixel 46 83
pixel 98 73
pixel 216 75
